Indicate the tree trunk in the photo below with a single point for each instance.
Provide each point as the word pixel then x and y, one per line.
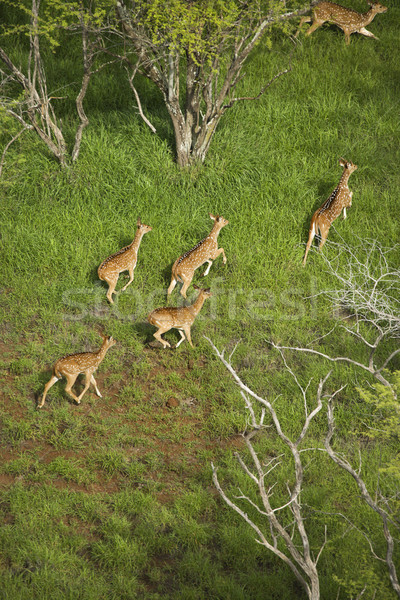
pixel 192 140
pixel 313 590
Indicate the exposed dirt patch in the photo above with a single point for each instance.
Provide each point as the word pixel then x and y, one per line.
pixel 168 443
pixel 6 480
pixel 6 351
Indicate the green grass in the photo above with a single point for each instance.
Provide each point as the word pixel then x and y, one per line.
pixel 114 498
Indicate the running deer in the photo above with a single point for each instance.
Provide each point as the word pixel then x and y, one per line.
pixel 347 19
pixel 72 365
pixel 205 251
pixel 124 260
pixel 181 318
pixel 330 210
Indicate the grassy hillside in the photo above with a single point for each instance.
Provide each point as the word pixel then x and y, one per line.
pixel 114 498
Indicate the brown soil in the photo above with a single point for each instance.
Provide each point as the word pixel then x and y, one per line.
pixel 178 460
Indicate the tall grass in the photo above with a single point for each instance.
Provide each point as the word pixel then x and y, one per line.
pixel 113 499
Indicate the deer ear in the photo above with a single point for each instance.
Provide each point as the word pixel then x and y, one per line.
pixel 342 162
pixel 139 222
pixel 196 287
pixel 213 217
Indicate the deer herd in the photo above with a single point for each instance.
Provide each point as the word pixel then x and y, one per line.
pixel 206 251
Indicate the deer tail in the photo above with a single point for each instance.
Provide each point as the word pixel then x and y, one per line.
pixel 175 272
pixel 311 235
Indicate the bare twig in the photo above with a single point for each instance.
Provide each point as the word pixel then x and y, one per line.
pixel 265 87
pixel 299 559
pixel 35 105
pixel 139 104
pixel 3 156
pixel 369 290
pixel 384 516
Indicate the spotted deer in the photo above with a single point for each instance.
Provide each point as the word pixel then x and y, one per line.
pixel 72 365
pixel 347 19
pixel 123 260
pixel 181 318
pixel 205 251
pixel 330 210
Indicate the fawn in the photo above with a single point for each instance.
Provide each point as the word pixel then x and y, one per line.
pixel 124 260
pixel 205 251
pixel 347 19
pixel 72 365
pixel 330 210
pixel 181 318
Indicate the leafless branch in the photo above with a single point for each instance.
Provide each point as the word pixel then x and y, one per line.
pixel 3 156
pixel 369 291
pixel 350 528
pixel 387 521
pixel 139 104
pixel 264 88
pixel 299 559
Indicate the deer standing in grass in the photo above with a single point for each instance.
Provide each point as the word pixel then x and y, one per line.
pixel 347 19
pixel 332 207
pixel 205 251
pixel 181 318
pixel 124 260
pixel 72 365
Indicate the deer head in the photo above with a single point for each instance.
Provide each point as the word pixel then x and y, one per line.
pixel 219 219
pixel 206 291
pixel 377 7
pixel 108 340
pixel 347 164
pixel 142 227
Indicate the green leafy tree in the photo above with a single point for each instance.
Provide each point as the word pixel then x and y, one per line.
pixel 385 413
pixel 194 52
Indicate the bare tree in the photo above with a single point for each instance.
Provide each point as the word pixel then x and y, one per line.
pixel 381 505
pixel 284 532
pixel 34 108
pixel 35 105
pixel 367 289
pixel 294 548
pixel 195 58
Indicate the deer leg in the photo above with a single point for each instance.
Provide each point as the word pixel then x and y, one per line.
pixel 186 283
pixel 347 34
pixel 324 234
pixel 158 337
pixel 71 378
pixel 93 382
pixel 218 252
pixel 112 282
pixel 88 377
pixel 311 235
pixel 314 26
pixel 367 33
pixel 187 332
pixel 206 272
pixel 344 213
pixel 172 285
pixel 48 385
pixel 182 338
pixel 130 279
pixel 302 20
